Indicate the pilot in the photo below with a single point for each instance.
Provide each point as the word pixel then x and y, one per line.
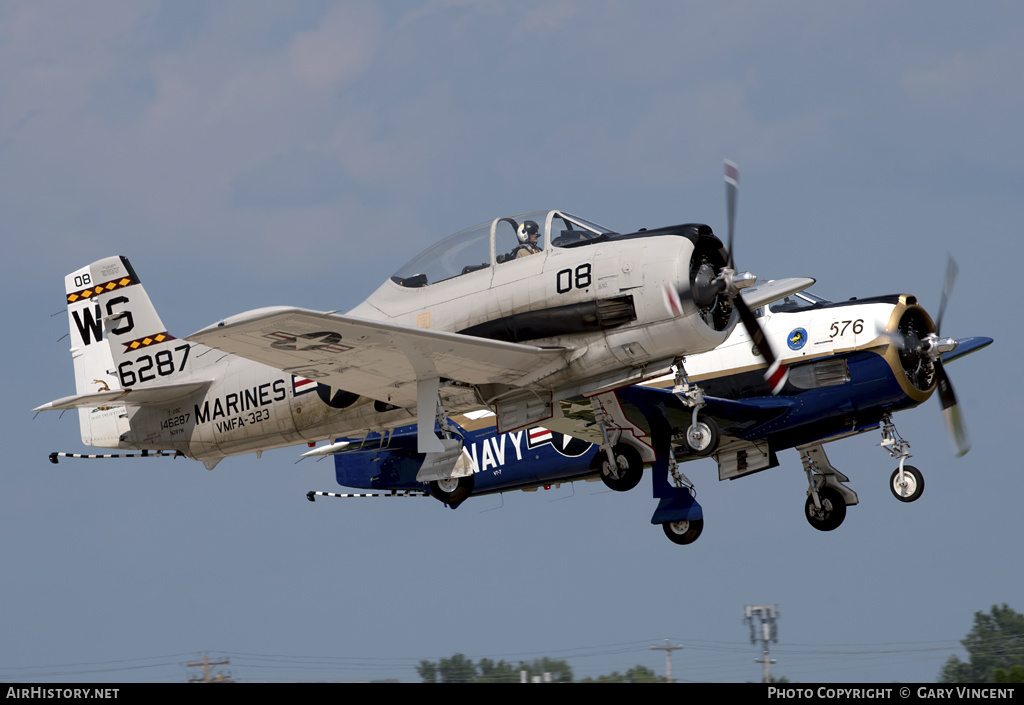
pixel 527 233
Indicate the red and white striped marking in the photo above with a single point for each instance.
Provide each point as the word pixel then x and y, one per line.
pixel 301 385
pixel 732 173
pixel 539 435
pixel 672 303
pixel 776 376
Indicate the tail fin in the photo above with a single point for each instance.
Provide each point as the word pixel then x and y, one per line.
pixel 117 341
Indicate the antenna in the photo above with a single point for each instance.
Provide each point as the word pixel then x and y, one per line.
pixel 768 632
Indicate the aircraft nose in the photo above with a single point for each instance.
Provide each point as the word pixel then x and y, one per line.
pixel 704 285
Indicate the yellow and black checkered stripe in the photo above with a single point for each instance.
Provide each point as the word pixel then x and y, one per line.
pixel 101 289
pixel 149 340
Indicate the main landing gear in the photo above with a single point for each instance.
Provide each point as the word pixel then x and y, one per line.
pixel 621 467
pixel 447 472
pixel 827 494
pixel 681 518
pixel 627 471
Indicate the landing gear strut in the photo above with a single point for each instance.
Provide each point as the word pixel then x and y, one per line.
pixel 446 472
pixel 681 531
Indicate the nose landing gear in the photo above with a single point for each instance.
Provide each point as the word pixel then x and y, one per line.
pixel 906 481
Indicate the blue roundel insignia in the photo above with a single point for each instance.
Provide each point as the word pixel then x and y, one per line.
pixel 797 339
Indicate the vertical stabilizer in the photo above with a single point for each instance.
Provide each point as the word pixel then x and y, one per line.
pixel 117 341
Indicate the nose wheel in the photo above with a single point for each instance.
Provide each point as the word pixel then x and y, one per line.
pixel 702 437
pixel 906 485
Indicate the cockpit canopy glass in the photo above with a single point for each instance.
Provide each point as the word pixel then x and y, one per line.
pixel 496 242
pixel 796 302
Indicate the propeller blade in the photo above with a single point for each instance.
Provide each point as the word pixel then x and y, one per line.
pixel 732 179
pixel 670 297
pixel 777 372
pixel 951 411
pixel 947 290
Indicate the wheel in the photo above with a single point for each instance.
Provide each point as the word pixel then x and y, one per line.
pixel 832 512
pixel 702 437
pixel 630 468
pixel 911 487
pixel 452 490
pixel 683 532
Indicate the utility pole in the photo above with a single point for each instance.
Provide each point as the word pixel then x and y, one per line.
pixel 207 678
pixel 668 658
pixel 769 631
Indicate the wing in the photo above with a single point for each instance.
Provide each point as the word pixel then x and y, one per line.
pixel 965 346
pixel 768 292
pixel 737 418
pixel 376 359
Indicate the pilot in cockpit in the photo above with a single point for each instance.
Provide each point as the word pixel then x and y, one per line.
pixel 527 233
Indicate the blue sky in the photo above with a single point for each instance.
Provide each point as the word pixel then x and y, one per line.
pixel 245 154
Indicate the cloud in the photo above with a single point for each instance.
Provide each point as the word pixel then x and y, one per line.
pixel 340 48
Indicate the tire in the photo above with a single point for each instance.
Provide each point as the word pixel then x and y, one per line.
pixel 454 491
pixel 683 532
pixel 702 438
pixel 913 484
pixel 630 470
pixel 833 510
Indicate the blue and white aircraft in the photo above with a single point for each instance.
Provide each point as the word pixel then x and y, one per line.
pixel 852 364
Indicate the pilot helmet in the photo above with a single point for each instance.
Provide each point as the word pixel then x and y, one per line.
pixel 527 229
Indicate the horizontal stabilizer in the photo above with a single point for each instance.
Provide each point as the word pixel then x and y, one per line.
pixel 147 396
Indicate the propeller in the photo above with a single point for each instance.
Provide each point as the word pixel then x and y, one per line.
pixel 947 397
pixel 708 284
pixel 777 372
pixel 919 350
